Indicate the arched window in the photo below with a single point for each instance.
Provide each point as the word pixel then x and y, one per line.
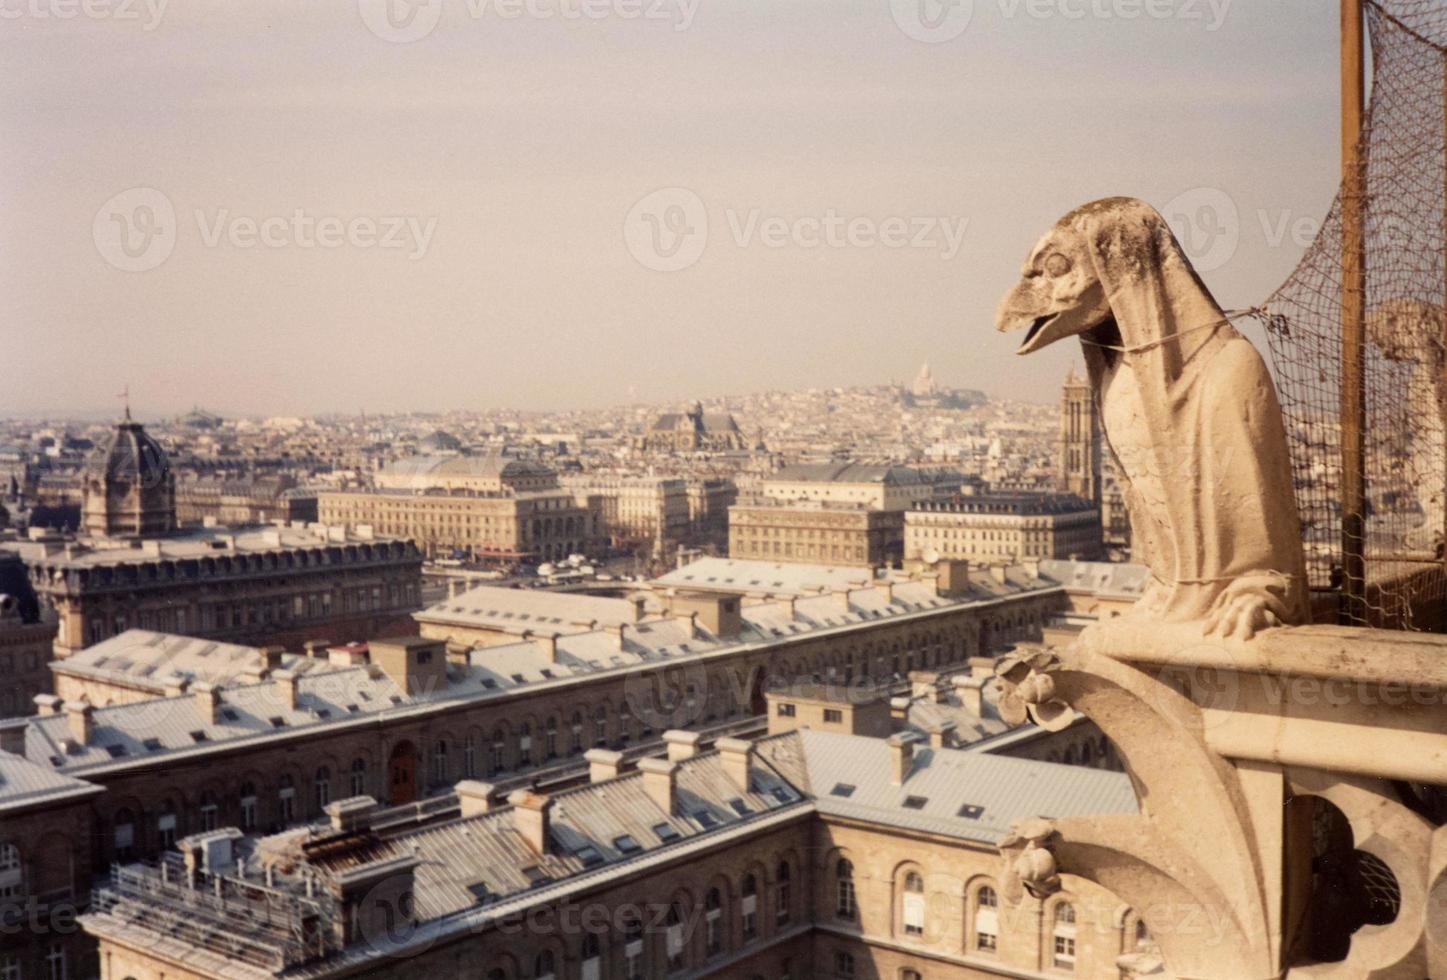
pixel 359 777
pixel 12 871
pixel 124 839
pixel 987 920
pixel 247 799
pixel 600 725
pixel 439 761
pixel 575 733
pixel 550 739
pixel 908 974
pixel 543 966
pixel 166 826
pixel 207 811
pixel 781 894
pixel 1142 934
pixel 625 724
pixel 495 756
pixel 674 937
pixel 525 744
pixel 912 911
pixel 1063 934
pixel 633 947
pixel 285 799
pixel 469 757
pixel 323 784
pixel 592 958
pixel 845 904
pixel 713 922
pixel 749 907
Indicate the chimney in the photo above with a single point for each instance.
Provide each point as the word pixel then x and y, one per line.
pixel 175 685
pixel 899 709
pixel 81 717
pixel 943 736
pixel 660 782
pixel 531 817
pixel 689 622
pixel 997 572
pixel 681 745
pixel 47 704
pixel 982 668
pixel 886 589
pixel 352 815
pixel 316 649
pixel 286 694
pixel 932 580
pixel 548 644
pixel 1031 566
pixel 901 756
pixel 603 764
pixel 922 685
pixel 207 699
pixel 736 755
pixel 271 656
pixel 475 797
pixel 793 602
pixel 618 630
pixel 971 690
pixel 841 598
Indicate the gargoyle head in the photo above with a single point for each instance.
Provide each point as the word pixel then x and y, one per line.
pixel 1059 293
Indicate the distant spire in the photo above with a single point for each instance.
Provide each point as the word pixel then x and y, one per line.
pixel 125 397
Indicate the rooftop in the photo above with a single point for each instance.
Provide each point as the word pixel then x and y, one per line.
pixel 848 473
pixel 513 610
pixel 147 659
pixel 196 543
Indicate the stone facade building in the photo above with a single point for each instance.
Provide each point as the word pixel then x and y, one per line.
pixel 637 510
pixel 25 640
pixel 503 526
pixel 816 532
pixel 1080 440
pixel 1004 527
pixel 496 474
pixel 876 487
pixel 243 500
pixel 129 490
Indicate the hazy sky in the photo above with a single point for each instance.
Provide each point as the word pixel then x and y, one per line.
pixel 274 206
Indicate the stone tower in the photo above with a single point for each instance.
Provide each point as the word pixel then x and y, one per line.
pixel 1079 439
pixel 130 490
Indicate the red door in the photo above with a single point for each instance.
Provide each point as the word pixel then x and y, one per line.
pixel 403 769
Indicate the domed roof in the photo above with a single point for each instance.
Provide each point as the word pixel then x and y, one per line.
pixel 132 457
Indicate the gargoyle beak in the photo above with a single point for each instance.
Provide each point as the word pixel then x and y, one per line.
pixel 1039 330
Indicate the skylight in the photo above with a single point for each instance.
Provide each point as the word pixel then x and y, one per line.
pixel 626 844
pixel 914 802
pixel 972 811
pixel 842 789
pixel 666 832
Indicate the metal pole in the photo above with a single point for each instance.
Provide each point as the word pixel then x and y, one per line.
pixel 1353 302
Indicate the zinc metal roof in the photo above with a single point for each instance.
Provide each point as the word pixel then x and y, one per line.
pixel 145 658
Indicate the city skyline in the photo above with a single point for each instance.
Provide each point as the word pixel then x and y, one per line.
pixel 875 191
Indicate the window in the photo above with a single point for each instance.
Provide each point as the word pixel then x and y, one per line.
pixel 913 906
pixel 248 806
pixel 550 739
pixel 833 715
pixel 786 711
pixel 125 835
pixel 575 734
pixel 843 963
pixel 1064 937
pixel 358 785
pixel 439 761
pixel 600 725
pixel 845 905
pixel 592 958
pixel 495 759
pixel 749 907
pixel 633 949
pixel 166 828
pixel 469 758
pixel 713 922
pixel 55 962
pixel 674 937
pixel 12 871
pixel 987 920
pixel 910 975
pixel 781 894
pixel 285 800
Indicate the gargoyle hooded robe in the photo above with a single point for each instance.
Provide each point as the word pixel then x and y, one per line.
pixel 1191 416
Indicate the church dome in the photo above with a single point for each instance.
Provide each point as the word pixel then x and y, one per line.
pixel 129 489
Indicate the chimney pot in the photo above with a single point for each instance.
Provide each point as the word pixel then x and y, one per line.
pixel 175 685
pixel 208 698
pixel 47 704
pixel 286 693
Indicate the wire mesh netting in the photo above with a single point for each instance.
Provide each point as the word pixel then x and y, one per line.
pixel 1402 183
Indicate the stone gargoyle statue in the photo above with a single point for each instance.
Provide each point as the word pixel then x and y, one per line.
pixel 1189 412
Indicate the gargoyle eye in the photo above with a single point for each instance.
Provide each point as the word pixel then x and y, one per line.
pixel 1056 264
